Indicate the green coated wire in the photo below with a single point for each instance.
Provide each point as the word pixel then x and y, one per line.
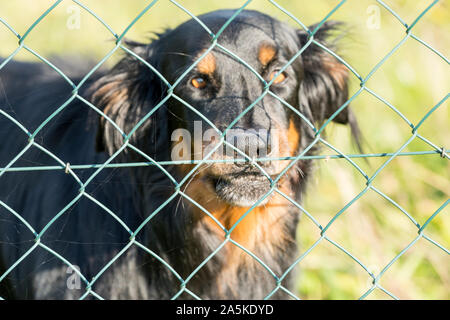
pixel 215 44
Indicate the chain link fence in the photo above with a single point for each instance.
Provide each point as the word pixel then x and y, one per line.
pixel 334 152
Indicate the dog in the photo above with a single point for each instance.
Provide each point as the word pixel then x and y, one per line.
pixel 213 237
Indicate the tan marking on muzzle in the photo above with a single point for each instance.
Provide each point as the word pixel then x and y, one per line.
pixel 260 226
pixel 293 138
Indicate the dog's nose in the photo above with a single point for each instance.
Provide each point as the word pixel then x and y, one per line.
pixel 255 144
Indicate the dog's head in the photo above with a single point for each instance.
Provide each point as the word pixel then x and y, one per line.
pixel 215 91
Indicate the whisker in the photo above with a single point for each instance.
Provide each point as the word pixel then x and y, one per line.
pixel 179 54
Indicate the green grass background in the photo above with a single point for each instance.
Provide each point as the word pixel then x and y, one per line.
pixel 414 79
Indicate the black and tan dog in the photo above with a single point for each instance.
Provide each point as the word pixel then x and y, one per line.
pixel 219 87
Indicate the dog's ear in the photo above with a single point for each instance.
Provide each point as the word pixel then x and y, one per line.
pixel 324 87
pixel 125 94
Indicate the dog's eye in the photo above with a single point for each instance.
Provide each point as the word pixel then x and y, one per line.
pixel 198 82
pixel 281 77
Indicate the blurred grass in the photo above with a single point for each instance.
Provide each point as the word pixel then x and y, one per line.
pixel 414 79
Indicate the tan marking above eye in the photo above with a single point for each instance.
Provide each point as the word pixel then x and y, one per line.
pixel 207 65
pixel 198 82
pixel 281 77
pixel 266 53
